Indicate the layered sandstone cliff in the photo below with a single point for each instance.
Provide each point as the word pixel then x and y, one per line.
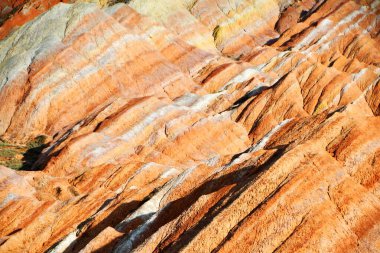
pixel 192 126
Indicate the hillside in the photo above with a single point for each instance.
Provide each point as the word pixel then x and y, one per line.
pixel 191 126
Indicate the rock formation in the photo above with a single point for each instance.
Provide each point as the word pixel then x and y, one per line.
pixel 191 126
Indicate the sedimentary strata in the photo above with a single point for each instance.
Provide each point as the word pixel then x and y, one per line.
pixel 192 126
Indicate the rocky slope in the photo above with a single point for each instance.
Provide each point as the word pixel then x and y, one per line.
pixel 192 126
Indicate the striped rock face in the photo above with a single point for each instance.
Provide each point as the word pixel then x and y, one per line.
pixel 192 126
pixel 14 13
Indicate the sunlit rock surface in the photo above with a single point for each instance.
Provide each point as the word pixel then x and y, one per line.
pixel 191 126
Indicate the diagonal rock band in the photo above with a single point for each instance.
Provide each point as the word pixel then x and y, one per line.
pixel 190 126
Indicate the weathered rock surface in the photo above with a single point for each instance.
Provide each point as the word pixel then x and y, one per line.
pixel 192 126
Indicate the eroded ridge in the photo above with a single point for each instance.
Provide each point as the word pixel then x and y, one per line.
pixel 192 126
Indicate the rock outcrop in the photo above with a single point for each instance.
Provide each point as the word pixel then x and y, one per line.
pixel 192 126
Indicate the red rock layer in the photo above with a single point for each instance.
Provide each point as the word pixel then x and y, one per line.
pixel 15 13
pixel 200 126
